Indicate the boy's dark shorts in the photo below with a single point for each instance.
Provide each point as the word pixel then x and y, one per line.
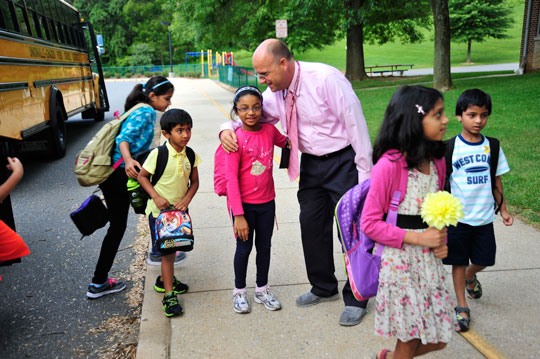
pixel 474 243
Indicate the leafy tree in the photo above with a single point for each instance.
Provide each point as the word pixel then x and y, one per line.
pixel 441 63
pixel 380 21
pixel 476 20
pixel 142 54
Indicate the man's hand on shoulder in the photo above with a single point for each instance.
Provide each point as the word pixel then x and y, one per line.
pixel 228 141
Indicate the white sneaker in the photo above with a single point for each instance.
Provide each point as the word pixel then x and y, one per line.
pixel 241 303
pixel 268 298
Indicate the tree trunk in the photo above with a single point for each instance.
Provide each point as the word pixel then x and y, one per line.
pixel 355 70
pixel 469 51
pixel 441 64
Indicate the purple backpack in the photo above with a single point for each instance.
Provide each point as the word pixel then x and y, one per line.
pixel 361 254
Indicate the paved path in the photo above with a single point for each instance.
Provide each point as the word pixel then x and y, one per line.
pixel 472 68
pixel 505 320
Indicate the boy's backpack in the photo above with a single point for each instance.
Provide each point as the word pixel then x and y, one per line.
pixel 138 196
pixel 174 232
pixel 93 164
pixel 220 172
pixel 494 147
pixel 361 254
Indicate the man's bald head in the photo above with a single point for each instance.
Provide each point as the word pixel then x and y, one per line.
pixel 275 48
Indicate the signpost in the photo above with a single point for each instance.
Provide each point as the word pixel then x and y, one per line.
pixel 281 28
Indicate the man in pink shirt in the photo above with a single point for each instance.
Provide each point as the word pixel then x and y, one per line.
pixel 332 135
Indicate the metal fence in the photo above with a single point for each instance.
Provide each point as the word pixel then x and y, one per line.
pixel 234 76
pixel 124 71
pixel 237 76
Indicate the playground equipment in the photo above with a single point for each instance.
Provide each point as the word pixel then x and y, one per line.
pixel 213 61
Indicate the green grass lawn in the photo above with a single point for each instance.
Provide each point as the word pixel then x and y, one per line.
pixel 492 51
pixel 515 121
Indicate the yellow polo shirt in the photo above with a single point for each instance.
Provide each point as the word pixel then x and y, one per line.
pixel 174 182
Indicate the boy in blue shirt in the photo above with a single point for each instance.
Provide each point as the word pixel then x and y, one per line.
pixel 470 179
pixel 175 188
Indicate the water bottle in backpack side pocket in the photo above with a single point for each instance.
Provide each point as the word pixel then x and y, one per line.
pixel 136 196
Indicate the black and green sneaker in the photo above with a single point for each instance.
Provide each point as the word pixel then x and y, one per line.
pixel 171 305
pixel 178 287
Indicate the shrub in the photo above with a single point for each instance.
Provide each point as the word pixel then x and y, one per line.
pixel 157 73
pixel 147 74
pixel 128 74
pixel 107 75
pixel 118 75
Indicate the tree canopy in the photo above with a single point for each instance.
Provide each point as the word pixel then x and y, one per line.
pixel 476 20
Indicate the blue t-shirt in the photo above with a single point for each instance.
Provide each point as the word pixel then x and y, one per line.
pixel 471 181
pixel 137 130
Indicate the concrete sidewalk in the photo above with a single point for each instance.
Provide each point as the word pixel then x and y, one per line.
pixel 505 320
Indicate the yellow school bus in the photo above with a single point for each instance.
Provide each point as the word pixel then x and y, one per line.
pixel 50 70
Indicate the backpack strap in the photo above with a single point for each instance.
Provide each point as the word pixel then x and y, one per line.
pixel 191 158
pixel 161 163
pixel 448 157
pixel 494 147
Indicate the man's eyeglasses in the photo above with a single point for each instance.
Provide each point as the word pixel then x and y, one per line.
pixel 247 109
pixel 264 75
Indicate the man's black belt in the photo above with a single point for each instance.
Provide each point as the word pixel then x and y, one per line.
pixel 407 221
pixel 332 154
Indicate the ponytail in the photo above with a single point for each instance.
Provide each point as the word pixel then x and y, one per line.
pixel 159 85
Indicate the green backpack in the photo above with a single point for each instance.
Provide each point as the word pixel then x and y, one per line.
pixel 93 164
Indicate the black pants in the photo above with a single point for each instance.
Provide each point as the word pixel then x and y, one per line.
pixel 323 180
pixel 117 199
pixel 260 219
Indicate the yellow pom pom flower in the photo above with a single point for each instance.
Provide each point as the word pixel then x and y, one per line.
pixel 441 209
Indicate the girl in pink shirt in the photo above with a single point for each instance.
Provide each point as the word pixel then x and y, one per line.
pixel 413 301
pixel 250 196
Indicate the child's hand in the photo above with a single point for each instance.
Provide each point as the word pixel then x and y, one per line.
pixel 182 205
pixel 15 165
pixel 432 238
pixel 441 252
pixel 132 168
pixel 241 228
pixel 507 218
pixel 161 203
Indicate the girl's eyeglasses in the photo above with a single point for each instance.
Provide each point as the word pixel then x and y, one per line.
pixel 247 109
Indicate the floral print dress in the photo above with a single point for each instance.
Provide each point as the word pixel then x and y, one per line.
pixel 413 300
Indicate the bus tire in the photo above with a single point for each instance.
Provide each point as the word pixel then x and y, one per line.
pixel 100 116
pixel 57 129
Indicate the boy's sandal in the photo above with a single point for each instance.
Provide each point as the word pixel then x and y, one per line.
pixel 382 354
pixel 475 292
pixel 462 321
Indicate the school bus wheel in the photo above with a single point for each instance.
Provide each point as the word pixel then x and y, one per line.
pixel 57 129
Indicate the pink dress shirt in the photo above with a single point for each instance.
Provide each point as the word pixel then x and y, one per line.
pixel 329 114
pixel 249 170
pixel 389 174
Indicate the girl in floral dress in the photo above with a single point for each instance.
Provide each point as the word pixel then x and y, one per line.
pixel 413 302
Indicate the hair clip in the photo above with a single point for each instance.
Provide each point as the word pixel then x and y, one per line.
pixel 143 86
pixel 420 109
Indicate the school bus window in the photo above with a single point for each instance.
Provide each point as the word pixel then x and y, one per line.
pixel 5 12
pixel 60 33
pixel 10 19
pixel 23 28
pixel 44 28
pixel 54 37
pixel 34 24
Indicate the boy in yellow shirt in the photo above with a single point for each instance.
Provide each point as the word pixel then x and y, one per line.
pixel 175 188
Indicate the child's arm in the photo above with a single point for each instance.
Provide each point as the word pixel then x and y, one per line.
pixel 144 179
pixel 132 166
pixel 508 220
pixel 183 204
pixel 17 172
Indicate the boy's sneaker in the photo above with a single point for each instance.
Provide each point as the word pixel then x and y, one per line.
pixel 241 303
pixel 171 305
pixel 178 287
pixel 156 260
pixel 268 298
pixel 110 286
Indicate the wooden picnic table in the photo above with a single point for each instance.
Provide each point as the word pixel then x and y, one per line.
pixel 381 69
